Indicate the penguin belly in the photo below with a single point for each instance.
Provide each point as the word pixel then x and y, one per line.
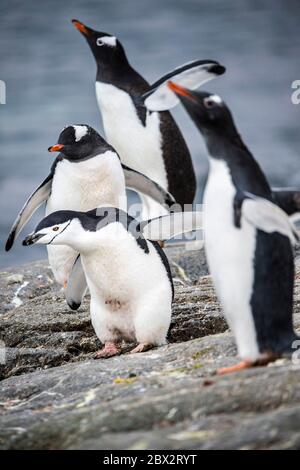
pixel 83 186
pixel 130 291
pixel 230 255
pixel 139 146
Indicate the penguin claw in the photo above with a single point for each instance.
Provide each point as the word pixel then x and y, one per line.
pixel 141 347
pixel 240 366
pixel 109 350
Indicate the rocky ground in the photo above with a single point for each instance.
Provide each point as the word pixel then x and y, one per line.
pixel 55 395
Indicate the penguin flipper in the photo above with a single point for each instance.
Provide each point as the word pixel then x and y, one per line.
pixel 77 286
pixel 142 184
pixel 268 217
pixel 35 200
pixel 288 199
pixel 191 75
pixel 168 226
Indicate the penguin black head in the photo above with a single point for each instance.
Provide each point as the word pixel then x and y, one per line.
pixel 79 142
pixel 106 48
pixel 208 111
pixel 51 228
pixel 63 227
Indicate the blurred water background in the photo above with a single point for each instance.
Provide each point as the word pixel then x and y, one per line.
pixel 49 72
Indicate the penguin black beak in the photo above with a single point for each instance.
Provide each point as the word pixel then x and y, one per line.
pixel 55 148
pixel 31 239
pixel 181 91
pixel 81 27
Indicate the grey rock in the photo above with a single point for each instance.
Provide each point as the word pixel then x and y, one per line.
pixel 45 323
pixel 188 265
pixel 15 279
pixel 55 395
pixel 166 398
pixel 37 279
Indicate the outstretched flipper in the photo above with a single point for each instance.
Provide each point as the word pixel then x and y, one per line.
pixel 40 195
pixel 191 75
pixel 171 225
pixel 265 216
pixel 142 184
pixel 288 199
pixel 77 286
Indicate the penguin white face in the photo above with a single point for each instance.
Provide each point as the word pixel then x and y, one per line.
pixel 105 47
pixel 48 235
pixel 207 110
pixel 78 142
pixel 58 228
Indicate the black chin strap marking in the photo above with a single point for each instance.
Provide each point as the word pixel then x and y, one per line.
pixel 59 233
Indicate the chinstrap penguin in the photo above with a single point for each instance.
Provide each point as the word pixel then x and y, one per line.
pixel 87 173
pixel 128 276
pixel 248 238
pixel 147 141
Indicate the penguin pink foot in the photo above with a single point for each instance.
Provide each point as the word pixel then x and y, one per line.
pixel 240 366
pixel 141 347
pixel 110 349
pixel 265 359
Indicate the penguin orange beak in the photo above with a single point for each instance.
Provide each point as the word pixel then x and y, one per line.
pixel 80 26
pixel 180 90
pixel 55 148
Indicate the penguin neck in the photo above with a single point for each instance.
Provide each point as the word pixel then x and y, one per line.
pixel 244 169
pixel 226 146
pixel 86 237
pixel 91 242
pixel 80 240
pixel 121 75
pixel 99 152
pixel 99 149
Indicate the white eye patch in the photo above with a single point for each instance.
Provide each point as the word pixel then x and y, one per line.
pixel 110 41
pixel 80 131
pixel 216 99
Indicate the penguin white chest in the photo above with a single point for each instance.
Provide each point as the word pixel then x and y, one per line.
pixel 139 146
pixel 230 254
pixel 83 186
pixel 130 291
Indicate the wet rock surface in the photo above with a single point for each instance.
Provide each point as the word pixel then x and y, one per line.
pixel 55 395
pixel 18 285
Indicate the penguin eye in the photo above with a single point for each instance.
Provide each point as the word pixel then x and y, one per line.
pixel 209 103
pixel 99 42
pixel 55 229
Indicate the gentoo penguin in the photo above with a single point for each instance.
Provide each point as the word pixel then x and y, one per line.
pixel 248 238
pixel 147 141
pixel 128 276
pixel 86 173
